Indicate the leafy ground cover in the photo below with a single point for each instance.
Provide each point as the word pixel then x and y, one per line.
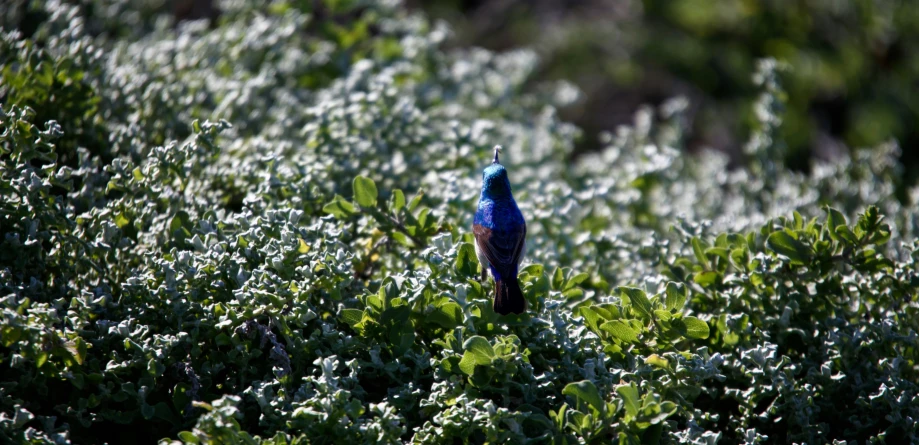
pixel 259 232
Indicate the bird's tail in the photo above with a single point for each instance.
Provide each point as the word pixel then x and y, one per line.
pixel 509 297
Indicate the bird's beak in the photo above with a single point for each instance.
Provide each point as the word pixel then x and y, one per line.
pixel 497 150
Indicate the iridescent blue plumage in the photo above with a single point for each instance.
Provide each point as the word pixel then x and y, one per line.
pixel 500 233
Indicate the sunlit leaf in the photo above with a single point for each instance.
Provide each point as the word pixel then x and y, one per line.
pixel 365 191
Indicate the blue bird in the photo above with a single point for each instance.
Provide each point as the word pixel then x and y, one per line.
pixel 500 237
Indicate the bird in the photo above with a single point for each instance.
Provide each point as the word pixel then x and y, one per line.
pixel 500 237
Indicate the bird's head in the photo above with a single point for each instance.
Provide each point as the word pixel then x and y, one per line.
pixel 494 179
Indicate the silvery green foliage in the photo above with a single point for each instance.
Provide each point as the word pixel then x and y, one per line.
pixel 258 233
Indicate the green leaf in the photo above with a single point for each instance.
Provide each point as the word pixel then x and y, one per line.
pixel 398 200
pixel 720 252
pixel 691 327
pixel 41 359
pixel 573 294
pixel 188 437
pixel 741 258
pixel 402 239
pixel 121 220
pixel 9 335
pixel 638 299
pixel 657 361
pixel 155 368
pixel 844 233
pixel 585 391
pixel 620 331
pixel 558 278
pixel 576 280
pixel 577 421
pixel 365 191
pixel 707 277
pixel 480 347
pixel 881 236
pixel 630 399
pixel 478 352
pixel 180 221
pixel 475 289
pixel 423 220
pixel 675 296
pixel 77 349
pixel 533 270
pixel 608 311
pixel 834 219
pixel 449 315
pixel 784 244
pixel 339 208
pixel 735 240
pixel 351 317
pixel 662 314
pixel 467 364
pixel 467 262
pixel 415 201
pixel 590 317
pixel 666 409
pixel 699 252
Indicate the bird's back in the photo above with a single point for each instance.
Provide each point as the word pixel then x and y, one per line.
pixel 500 233
pixel 499 215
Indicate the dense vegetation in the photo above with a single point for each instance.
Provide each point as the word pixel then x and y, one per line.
pixel 853 82
pixel 259 232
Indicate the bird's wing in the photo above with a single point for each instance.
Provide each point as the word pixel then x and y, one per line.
pixel 502 249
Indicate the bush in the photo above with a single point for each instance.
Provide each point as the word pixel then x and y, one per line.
pixel 852 82
pixel 259 233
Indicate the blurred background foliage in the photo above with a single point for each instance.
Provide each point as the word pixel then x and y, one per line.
pixel 853 82
pixel 854 78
